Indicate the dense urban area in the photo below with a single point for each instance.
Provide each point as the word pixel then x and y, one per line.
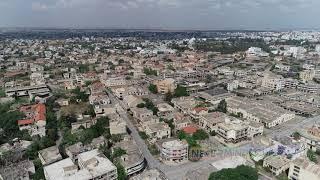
pixel 159 105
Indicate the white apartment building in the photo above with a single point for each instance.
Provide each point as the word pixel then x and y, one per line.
pixel 301 169
pixel 174 150
pixel 91 165
pixel 233 131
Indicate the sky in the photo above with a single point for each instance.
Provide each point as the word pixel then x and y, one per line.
pixel 162 14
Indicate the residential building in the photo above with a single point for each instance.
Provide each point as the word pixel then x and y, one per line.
pixel 164 110
pixel 277 164
pixel 210 121
pixel 302 168
pixel 133 161
pixel 99 166
pixel 174 150
pixel 49 155
pixel 141 113
pixel 311 137
pixel 165 86
pixel 158 130
pixel 232 131
pixel 35 119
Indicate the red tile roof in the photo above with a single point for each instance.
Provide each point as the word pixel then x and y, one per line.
pixel 190 129
pixel 25 122
pixel 34 113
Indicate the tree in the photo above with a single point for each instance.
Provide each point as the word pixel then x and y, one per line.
pixel 312 156
pixel 141 105
pixel 149 71
pixel 296 135
pixel 222 106
pixel 122 175
pixel 200 134
pixel 118 152
pixel 239 173
pixel 180 91
pixel 153 88
pixel 143 135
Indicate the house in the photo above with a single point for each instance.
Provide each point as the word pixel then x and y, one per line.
pixel 158 130
pixel 196 112
pixel 140 113
pixel 181 121
pixel 164 110
pixel 302 168
pixel 277 164
pixel 35 119
pixel 49 155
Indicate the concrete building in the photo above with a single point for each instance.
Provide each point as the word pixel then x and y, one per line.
pixel 232 131
pixel 158 130
pixel 174 150
pixel 311 137
pixel 141 113
pixel 35 119
pixel 49 155
pixel 133 161
pixel 210 121
pixel 307 75
pixel 165 86
pixel 164 110
pixel 272 81
pixel 277 164
pixel 301 169
pixel 259 111
pixel 98 165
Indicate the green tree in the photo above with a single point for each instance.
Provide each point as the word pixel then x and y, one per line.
pixel 239 173
pixel 122 175
pixel 143 135
pixel 153 88
pixel 200 134
pixel 141 105
pixel 118 152
pixel 180 91
pixel 222 106
pixel 312 156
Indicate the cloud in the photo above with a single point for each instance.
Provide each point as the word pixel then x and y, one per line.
pixel 37 6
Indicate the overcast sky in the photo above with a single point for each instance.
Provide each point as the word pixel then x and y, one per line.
pixel 166 14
